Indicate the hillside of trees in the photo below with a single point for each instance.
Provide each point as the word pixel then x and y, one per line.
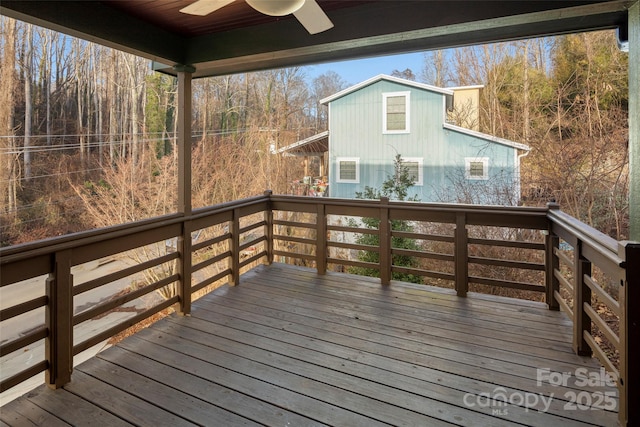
pixel 87 133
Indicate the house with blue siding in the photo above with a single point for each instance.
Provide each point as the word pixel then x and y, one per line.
pixel 373 121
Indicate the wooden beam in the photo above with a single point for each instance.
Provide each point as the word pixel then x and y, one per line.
pixel 415 26
pixel 101 23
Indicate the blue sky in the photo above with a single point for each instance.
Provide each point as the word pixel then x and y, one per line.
pixel 355 71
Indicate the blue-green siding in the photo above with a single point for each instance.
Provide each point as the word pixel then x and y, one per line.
pixel 356 131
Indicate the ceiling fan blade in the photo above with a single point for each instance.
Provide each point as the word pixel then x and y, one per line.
pixel 205 7
pixel 313 18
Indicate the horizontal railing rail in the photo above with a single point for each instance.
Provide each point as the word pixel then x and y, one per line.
pixel 539 251
pixel 50 265
pixel 592 275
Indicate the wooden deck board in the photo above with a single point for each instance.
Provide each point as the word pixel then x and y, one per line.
pixel 289 347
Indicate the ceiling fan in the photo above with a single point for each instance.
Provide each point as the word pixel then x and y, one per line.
pixel 308 12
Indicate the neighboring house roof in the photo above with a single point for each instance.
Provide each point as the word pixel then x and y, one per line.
pixel 315 144
pixel 443 91
pixel 487 137
pixel 380 77
pixel 319 143
pixel 466 87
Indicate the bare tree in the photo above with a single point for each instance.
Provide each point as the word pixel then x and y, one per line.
pixel 27 67
pixel 8 149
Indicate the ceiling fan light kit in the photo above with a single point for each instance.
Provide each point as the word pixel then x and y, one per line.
pixel 276 7
pixel 307 12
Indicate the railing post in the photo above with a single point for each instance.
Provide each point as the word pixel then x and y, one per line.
pixel 268 232
pixel 59 322
pixel 629 299
pixel 384 231
pixel 184 269
pixel 552 263
pixel 461 255
pixel 235 248
pixel 582 296
pixel 321 239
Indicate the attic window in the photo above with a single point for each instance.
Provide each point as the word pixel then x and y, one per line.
pixel 348 169
pixel 395 114
pixel 476 168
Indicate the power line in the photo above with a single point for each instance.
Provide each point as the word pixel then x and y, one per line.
pixel 103 143
pixel 52 175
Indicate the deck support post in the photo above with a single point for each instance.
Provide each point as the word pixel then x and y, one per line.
pixel 59 322
pixel 184 184
pixel 268 230
pixel 321 239
pixel 629 381
pixel 629 299
pixel 384 230
pixel 184 138
pixel 582 296
pixel 461 255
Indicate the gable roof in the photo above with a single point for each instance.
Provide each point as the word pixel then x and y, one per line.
pixel 381 77
pixel 423 86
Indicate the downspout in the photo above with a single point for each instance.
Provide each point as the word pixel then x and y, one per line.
pixel 518 179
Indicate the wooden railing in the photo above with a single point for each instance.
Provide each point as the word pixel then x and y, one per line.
pixel 533 251
pixel 163 247
pixel 596 281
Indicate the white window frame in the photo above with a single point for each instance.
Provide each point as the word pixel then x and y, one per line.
pixel 485 168
pixel 420 162
pixel 407 110
pixel 348 159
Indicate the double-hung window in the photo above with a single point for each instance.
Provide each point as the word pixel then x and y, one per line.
pixel 395 114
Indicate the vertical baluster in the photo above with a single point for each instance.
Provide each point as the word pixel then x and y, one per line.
pixel 384 230
pixel 321 238
pixel 552 263
pixel 582 295
pixel 268 231
pixel 235 248
pixel 461 255
pixel 184 268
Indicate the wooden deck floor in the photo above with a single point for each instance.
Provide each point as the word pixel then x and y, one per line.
pixel 290 348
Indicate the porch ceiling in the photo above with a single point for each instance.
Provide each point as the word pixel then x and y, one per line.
pixel 237 38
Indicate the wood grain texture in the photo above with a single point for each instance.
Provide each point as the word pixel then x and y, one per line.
pixel 291 347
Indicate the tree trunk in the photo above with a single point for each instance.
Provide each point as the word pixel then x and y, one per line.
pixel 8 179
pixel 28 101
